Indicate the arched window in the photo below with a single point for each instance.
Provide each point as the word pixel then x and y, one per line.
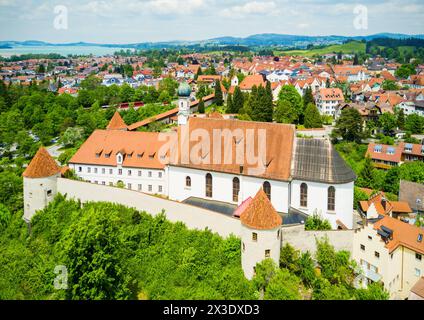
pixel 331 199
pixel 209 185
pixel 236 189
pixel 188 181
pixel 267 189
pixel 303 195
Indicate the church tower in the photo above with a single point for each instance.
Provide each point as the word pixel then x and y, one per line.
pixel 260 233
pixel 40 183
pixel 184 92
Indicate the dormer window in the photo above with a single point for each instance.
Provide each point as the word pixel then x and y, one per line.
pixel 408 147
pixel 390 150
pixel 119 158
pixel 378 149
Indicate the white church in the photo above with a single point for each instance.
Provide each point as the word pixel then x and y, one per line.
pixel 258 172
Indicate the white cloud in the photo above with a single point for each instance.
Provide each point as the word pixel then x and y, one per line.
pixel 251 8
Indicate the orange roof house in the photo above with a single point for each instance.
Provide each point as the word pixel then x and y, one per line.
pixel 260 214
pixel 252 80
pixel 41 166
pixel 404 234
pixel 378 205
pixel 331 94
pixel 117 123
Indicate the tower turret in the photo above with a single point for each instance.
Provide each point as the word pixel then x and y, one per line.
pixel 260 233
pixel 40 183
pixel 184 92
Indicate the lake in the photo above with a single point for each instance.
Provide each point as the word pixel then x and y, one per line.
pixel 63 50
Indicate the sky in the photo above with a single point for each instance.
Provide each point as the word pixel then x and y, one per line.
pixel 133 21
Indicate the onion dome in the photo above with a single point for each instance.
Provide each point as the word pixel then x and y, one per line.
pixel 184 90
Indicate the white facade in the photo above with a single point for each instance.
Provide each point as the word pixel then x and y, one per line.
pixel 184 110
pixel 258 245
pixel 153 181
pixel 222 187
pixel 398 270
pixel 317 201
pixel 38 192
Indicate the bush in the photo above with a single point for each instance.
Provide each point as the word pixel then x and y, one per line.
pixel 315 222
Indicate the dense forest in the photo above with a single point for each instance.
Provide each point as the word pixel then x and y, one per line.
pixel 114 252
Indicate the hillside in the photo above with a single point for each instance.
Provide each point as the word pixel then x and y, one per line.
pixel 349 47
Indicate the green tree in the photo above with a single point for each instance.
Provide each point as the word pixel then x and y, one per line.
pixel 5 216
pixel 293 101
pixel 238 100
pixel 405 70
pixel 219 101
pixel 93 257
pixel 283 286
pixel 389 85
pixel 316 222
pixel 387 122
pixel 72 135
pixel 401 119
pixel 349 126
pixel 312 117
pixel 262 108
pixel 201 107
pixel 374 291
pixel 366 175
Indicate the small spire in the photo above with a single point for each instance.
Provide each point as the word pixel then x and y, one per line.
pixel 41 166
pixel 117 123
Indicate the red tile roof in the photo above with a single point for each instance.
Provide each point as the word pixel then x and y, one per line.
pixel 41 166
pixel 117 123
pixel 260 214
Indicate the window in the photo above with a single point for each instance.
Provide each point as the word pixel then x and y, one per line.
pixel 150 188
pixel 378 148
pixel 303 195
pixel 119 159
pixel 188 181
pixel 150 174
pixel 236 189
pixel 331 200
pixel 254 236
pixel 110 171
pixel 129 186
pixel 103 170
pixel 244 247
pixel 120 171
pixel 103 183
pixel 418 256
pixel 267 189
pixel 391 256
pixel 89 170
pixel 160 189
pixel 139 187
pixel 369 238
pixel 139 173
pixel 160 174
pixel 408 147
pixel 79 169
pixel 209 185
pixel 362 247
pixel 376 254
pixel 49 193
pixel 95 170
pixel 278 234
pixel 267 253
pixel 129 172
pixel 417 272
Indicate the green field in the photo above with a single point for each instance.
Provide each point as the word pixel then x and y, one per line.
pixel 350 47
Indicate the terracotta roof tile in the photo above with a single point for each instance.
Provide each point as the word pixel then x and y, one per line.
pixel 404 234
pixel 41 166
pixel 260 214
pixel 117 123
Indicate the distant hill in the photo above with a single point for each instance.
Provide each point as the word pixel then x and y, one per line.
pixel 257 40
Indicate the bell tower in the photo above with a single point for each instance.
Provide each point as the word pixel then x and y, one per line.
pixel 184 92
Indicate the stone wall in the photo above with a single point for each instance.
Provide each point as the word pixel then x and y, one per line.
pixel 193 217
pixel 306 240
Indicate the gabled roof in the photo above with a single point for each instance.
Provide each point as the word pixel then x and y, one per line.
pixel 260 214
pixel 404 234
pixel 41 166
pixel 317 160
pixel 117 123
pixel 252 80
